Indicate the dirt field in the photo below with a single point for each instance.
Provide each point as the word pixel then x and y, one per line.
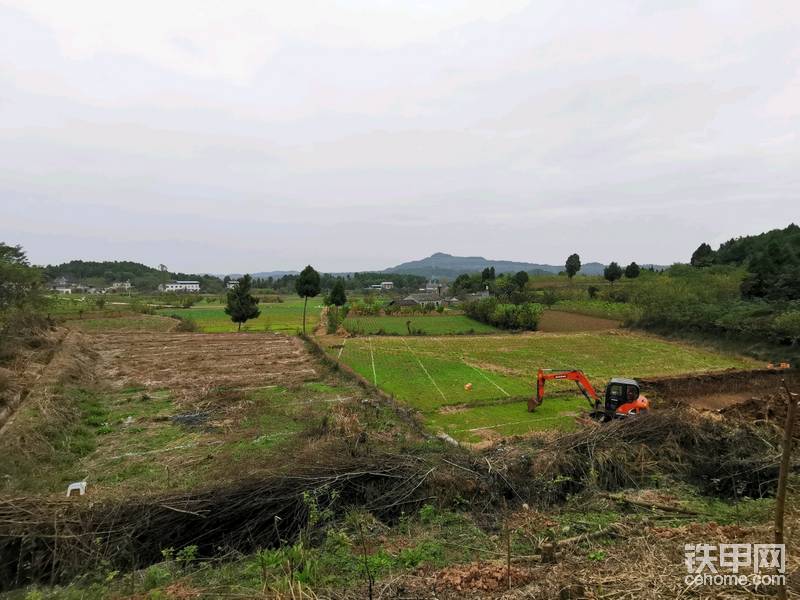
pixel 715 391
pixel 192 361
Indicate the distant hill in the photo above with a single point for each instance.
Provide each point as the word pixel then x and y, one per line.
pixel 143 277
pixel 447 265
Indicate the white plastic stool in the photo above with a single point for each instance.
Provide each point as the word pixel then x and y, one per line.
pixel 78 486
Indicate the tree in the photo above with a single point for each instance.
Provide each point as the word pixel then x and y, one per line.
pixel 521 279
pixel 19 282
pixel 787 325
pixel 592 291
pixel 573 265
pixel 632 271
pixel 307 286
pixel 337 296
pixel 612 272
pixel 241 305
pixel 488 274
pixel 703 256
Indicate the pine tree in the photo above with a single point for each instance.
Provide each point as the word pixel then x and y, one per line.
pixel 338 296
pixel 241 306
pixel 612 272
pixel 632 271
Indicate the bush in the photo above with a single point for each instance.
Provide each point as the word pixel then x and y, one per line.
pixel 505 316
pixel 185 324
pixel 787 326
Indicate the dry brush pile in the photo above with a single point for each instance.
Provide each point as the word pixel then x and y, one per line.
pixel 54 540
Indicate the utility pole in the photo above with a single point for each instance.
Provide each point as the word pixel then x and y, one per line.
pixel 780 500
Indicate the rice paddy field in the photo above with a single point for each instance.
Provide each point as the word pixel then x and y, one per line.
pixel 430 373
pixel 427 324
pixel 286 316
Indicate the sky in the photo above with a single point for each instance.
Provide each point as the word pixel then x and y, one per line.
pixel 250 136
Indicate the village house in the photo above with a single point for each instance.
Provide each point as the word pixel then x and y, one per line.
pixel 180 286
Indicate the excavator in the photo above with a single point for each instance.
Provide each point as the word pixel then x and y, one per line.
pixel 623 398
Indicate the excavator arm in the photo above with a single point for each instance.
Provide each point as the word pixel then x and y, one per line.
pixel 569 375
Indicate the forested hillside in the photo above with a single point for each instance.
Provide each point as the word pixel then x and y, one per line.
pixel 144 278
pixel 772 260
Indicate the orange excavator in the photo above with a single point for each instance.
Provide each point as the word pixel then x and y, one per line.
pixel 623 397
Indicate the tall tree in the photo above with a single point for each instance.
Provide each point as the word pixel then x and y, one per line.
pixel 488 274
pixel 338 297
pixel 703 256
pixel 573 265
pixel 612 272
pixel 307 286
pixel 632 271
pixel 19 282
pixel 521 279
pixel 241 306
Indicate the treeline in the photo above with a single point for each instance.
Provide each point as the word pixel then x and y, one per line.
pixel 711 300
pixel 21 298
pixel 771 261
pixel 142 277
pixel 350 281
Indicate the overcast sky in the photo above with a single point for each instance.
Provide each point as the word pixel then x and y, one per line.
pixel 246 136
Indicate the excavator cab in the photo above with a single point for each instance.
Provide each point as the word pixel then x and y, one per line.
pixel 623 398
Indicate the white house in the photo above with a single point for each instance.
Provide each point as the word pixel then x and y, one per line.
pixel 231 284
pixel 387 285
pixel 121 285
pixel 180 286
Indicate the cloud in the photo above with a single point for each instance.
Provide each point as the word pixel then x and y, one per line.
pixel 355 135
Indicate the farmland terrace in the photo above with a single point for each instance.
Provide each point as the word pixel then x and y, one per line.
pixel 431 373
pixel 150 410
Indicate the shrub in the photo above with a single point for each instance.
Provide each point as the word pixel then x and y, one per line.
pixel 787 326
pixel 185 324
pixel 505 316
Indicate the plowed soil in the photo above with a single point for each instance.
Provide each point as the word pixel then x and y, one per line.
pixel 718 390
pixel 185 361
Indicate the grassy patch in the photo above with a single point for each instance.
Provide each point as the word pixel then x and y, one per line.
pixel 425 325
pixel 126 323
pixel 618 311
pixel 430 373
pixel 275 316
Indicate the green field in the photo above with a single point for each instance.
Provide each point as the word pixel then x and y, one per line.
pixel 428 324
pixel 429 373
pixel 275 316
pixel 131 323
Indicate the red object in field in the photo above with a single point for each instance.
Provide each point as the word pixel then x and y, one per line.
pixel 623 397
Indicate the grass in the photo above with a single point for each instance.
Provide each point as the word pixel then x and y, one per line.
pixel 127 439
pixel 126 323
pixel 427 325
pixel 618 311
pixel 430 373
pixel 275 316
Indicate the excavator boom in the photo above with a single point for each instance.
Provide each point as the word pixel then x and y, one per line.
pixel 569 375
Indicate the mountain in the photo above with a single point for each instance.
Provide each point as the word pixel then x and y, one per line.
pixel 447 265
